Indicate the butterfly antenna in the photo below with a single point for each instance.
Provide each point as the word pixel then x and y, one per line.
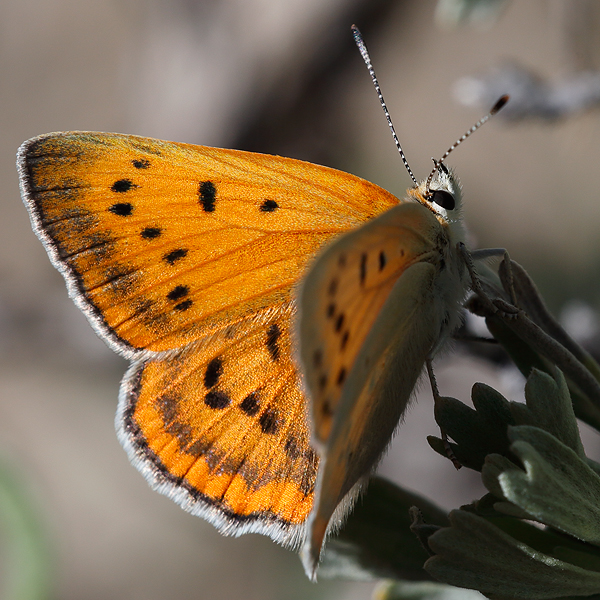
pixel 365 55
pixel 436 163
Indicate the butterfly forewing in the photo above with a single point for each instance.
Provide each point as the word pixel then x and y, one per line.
pixel 343 295
pixel 387 300
pixel 160 241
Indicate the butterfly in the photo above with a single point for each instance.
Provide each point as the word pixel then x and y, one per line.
pixel 186 260
pixel 239 285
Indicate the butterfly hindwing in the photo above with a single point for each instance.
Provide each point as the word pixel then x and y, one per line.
pixel 221 427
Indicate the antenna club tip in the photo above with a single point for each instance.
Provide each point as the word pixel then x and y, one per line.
pixel 499 104
pixel 355 32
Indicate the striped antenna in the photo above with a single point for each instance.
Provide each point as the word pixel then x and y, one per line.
pixel 364 53
pixel 436 163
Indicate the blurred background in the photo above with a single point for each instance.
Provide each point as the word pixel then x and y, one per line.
pixel 77 522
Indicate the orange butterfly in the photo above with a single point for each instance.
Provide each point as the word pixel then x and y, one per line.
pixel 188 261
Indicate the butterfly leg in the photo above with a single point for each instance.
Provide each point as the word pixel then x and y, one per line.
pixel 497 305
pixel 507 282
pixel 436 397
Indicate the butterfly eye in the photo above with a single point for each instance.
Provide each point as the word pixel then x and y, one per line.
pixel 444 199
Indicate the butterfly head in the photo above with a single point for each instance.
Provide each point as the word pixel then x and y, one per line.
pixel 441 193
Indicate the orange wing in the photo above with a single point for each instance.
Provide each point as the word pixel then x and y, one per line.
pixel 224 422
pixel 184 259
pixel 160 242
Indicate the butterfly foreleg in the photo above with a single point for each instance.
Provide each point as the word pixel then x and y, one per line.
pixel 496 304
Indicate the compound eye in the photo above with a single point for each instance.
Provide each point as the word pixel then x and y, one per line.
pixel 444 199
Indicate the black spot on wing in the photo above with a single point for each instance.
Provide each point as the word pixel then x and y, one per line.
pixel 217 399
pixel 341 376
pixel 250 404
pixel 333 286
pixel 382 260
pixel 273 335
pixel 121 209
pixel 344 341
pixel 150 233
pixel 141 163
pixel 178 292
pixel 208 194
pixel 213 372
pixel 363 268
pixel 339 322
pixel 183 306
pixel 269 421
pixel 269 206
pixel 175 255
pixel 122 185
